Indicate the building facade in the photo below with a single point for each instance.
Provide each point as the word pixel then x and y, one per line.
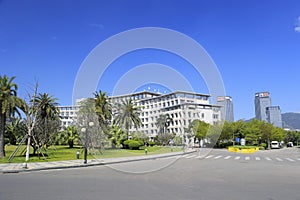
pixel 262 102
pixel 226 108
pixel 182 107
pixel 274 116
pixel 68 115
pixel 264 111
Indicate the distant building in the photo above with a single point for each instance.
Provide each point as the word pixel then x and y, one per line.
pixel 261 102
pixel 264 111
pixel 68 115
pixel 182 107
pixel 274 116
pixel 226 108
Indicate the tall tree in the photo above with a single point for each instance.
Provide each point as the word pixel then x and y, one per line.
pixel 103 110
pixel 9 102
pixel 48 120
pixel 127 114
pixel 163 122
pixel 199 128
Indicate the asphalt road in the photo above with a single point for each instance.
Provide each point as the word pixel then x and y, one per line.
pixel 218 175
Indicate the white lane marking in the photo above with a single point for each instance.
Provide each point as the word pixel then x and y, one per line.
pixel 237 157
pixel 279 159
pixel 200 157
pixel 268 159
pixel 289 159
pixel 257 158
pixel 217 157
pixel 209 156
pixel 298 159
pixel 247 158
pixel 227 157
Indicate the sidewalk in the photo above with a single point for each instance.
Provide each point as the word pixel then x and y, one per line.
pixel 37 166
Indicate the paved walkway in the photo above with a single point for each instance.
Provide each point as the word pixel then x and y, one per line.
pixel 37 166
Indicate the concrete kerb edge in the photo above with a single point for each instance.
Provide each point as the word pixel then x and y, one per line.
pixel 96 164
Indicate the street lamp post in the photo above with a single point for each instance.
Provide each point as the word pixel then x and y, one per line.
pixel 85 149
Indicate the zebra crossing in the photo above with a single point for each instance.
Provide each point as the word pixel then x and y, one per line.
pixel 241 158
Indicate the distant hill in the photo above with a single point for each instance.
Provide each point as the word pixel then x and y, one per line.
pixel 291 120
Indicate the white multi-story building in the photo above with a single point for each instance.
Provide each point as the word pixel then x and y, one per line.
pixel 182 107
pixel 68 115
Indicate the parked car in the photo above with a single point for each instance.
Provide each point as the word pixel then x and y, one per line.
pixel 275 145
pixel 289 144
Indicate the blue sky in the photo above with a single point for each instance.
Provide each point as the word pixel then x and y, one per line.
pixel 254 44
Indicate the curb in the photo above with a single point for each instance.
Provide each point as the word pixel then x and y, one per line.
pixel 146 157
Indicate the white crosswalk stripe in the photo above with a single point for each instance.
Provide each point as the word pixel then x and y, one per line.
pixel 217 157
pixel 209 156
pixel 289 159
pixel 268 159
pixel 243 157
pixel 279 159
pixel 237 158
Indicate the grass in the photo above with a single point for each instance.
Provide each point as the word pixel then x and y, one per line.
pixel 59 153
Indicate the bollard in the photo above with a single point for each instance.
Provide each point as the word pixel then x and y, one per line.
pixel 77 154
pixel 146 151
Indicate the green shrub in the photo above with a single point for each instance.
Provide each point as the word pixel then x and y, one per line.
pixel 263 145
pixel 261 148
pixel 151 143
pixel 125 144
pixel 134 145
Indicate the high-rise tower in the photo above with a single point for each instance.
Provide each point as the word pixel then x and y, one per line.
pixel 226 108
pixel 262 102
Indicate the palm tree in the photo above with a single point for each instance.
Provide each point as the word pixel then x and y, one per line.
pixel 70 134
pixel 127 114
pixel 9 102
pixel 48 106
pixel 103 110
pixel 163 122
pixel 48 117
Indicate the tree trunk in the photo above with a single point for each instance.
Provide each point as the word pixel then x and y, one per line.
pixel 2 130
pixel 71 143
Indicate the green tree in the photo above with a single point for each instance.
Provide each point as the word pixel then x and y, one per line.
pixel 91 133
pixel 12 129
pixel 199 128
pixel 227 132
pixel 238 129
pixel 47 121
pixel 116 136
pixel 103 110
pixel 252 131
pixel 9 102
pixel 162 123
pixel 278 134
pixel 266 132
pixel 69 135
pixel 127 114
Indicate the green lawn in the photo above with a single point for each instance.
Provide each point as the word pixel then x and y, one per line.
pixel 58 153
